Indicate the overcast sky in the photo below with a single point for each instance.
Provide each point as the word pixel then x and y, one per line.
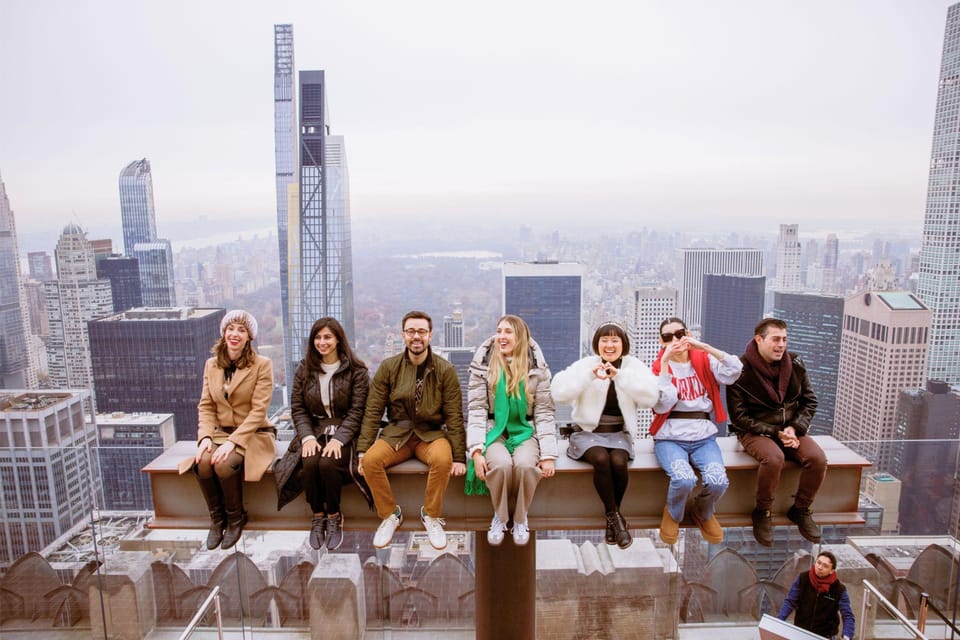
pixel 660 112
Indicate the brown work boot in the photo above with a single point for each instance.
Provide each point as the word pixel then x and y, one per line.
pixel 805 524
pixel 710 529
pixel 762 526
pixel 669 528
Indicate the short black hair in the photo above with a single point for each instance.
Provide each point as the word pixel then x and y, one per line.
pixel 830 556
pixel 764 325
pixel 611 329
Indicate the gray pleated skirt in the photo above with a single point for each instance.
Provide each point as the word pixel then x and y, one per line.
pixel 580 441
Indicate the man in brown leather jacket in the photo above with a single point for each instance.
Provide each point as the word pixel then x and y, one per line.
pixel 770 408
pixel 420 393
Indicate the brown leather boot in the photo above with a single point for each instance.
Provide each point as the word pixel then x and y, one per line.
pixel 210 488
pixel 233 505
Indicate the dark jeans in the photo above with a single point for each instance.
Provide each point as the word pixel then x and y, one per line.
pixel 322 479
pixel 771 453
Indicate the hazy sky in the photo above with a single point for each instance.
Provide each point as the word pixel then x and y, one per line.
pixel 664 113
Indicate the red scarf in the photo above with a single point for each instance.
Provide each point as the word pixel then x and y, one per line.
pixel 701 367
pixel 822 585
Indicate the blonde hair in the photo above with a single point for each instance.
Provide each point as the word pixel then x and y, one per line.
pixel 518 367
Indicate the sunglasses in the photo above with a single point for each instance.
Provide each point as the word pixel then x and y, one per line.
pixel 670 337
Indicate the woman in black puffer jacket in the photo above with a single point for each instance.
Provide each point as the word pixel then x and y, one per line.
pixel 327 401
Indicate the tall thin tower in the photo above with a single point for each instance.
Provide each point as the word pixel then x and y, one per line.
pixel 939 283
pixel 319 253
pixel 17 366
pixel 140 241
pixel 285 150
pixel 788 258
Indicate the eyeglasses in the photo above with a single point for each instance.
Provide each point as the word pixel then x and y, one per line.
pixel 670 337
pixel 416 332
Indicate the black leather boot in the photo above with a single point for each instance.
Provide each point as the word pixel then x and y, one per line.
pixel 802 517
pixel 762 526
pixel 233 505
pixel 624 539
pixel 210 488
pixel 613 524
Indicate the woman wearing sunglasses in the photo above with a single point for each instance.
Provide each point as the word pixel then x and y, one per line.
pixel 685 438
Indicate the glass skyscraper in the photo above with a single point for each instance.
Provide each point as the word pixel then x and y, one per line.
pixel 699 262
pixel 140 239
pixel 732 307
pixel 939 283
pixel 123 272
pixel 320 275
pixel 16 370
pixel 285 149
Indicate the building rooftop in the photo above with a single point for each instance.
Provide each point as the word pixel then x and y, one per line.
pixel 160 313
pixel 900 300
pixel 18 400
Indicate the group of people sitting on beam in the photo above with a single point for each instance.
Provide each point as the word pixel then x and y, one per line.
pixel 350 428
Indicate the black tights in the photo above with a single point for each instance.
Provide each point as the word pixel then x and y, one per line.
pixel 609 474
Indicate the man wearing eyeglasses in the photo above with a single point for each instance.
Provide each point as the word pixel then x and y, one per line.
pixel 770 407
pixel 420 393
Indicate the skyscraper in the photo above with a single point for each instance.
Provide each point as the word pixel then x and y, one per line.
pixel 40 266
pixel 831 258
pixel 17 368
pixel 549 297
pixel 285 150
pixel 732 307
pixel 140 239
pixel 883 350
pixel 651 306
pixel 73 299
pixel 814 330
pixel 788 258
pixel 127 442
pixel 48 486
pixel 137 215
pixel 453 330
pixel 939 282
pixel 123 272
pixel 320 274
pixel 699 262
pixel 151 359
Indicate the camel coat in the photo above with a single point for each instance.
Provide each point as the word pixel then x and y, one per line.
pixel 245 410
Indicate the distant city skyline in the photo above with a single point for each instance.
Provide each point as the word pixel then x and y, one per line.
pixel 829 102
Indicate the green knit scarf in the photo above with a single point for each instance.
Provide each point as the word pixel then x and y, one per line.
pixel 503 407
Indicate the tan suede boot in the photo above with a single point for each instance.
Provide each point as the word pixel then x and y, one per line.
pixel 669 528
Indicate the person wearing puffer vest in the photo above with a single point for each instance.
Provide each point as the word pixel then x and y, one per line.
pixel 605 391
pixel 511 431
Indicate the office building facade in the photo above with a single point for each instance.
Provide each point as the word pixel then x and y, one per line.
pixel 123 272
pixel 814 330
pixel 453 330
pixel 151 360
pixel 731 306
pixel 939 282
pixel 48 485
pixel 883 350
pixel 139 220
pixel 72 300
pixel 651 306
pixel 155 263
pixel 17 368
pixel 40 265
pixel 549 297
pixel 697 263
pixel 127 442
pixel 788 258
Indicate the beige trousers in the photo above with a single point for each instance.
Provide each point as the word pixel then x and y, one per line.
pixel 515 475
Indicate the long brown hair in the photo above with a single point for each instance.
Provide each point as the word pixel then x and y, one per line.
pixel 519 366
pixel 247 356
pixel 313 358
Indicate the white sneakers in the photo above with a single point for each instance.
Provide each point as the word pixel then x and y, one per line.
pixel 387 528
pixel 496 532
pixel 521 533
pixel 434 527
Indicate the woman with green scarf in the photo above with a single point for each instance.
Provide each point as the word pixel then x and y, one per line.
pixel 511 432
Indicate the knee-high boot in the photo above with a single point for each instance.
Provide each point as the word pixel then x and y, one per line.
pixel 233 503
pixel 210 487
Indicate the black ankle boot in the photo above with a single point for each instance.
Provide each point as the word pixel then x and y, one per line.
pixel 233 505
pixel 805 524
pixel 624 539
pixel 613 524
pixel 210 488
pixel 762 526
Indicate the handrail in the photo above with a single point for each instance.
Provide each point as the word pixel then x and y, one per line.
pixel 917 634
pixel 922 618
pixel 215 598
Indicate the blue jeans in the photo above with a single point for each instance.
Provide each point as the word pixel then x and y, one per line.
pixel 679 459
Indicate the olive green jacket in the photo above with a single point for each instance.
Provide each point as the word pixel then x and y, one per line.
pixel 439 415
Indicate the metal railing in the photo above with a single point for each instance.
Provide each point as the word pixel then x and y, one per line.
pixel 925 604
pixel 214 598
pixel 872 591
